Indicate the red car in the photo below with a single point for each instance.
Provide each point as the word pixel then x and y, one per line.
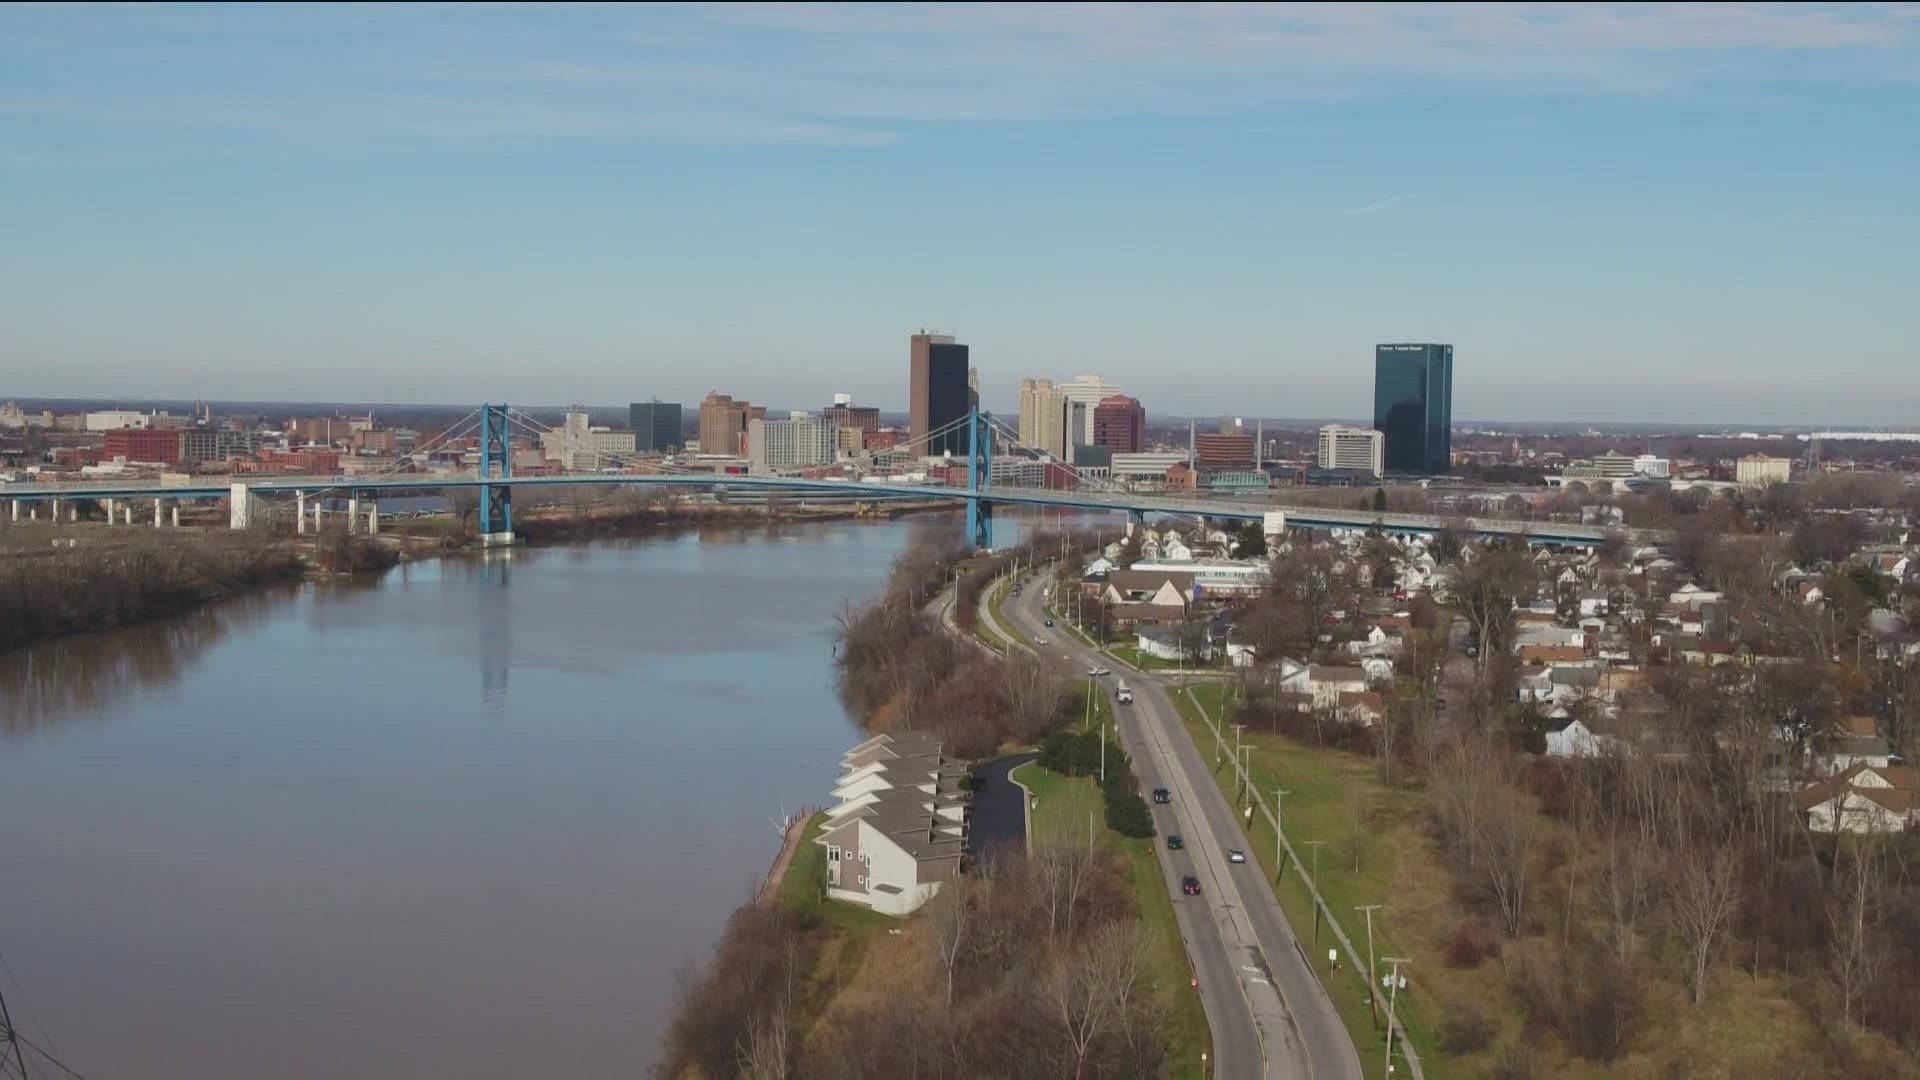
pixel 1190 885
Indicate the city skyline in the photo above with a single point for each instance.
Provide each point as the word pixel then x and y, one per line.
pixel 1204 205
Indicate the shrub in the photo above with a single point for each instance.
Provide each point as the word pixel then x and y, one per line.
pixel 1467 947
pixel 1465 1030
pixel 1127 814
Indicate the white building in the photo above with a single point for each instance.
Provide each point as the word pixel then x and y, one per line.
pixel 799 442
pixel 577 445
pixel 1759 470
pixel 1214 577
pixel 1089 391
pixel 900 826
pixel 1152 465
pixel 1360 449
pixel 114 419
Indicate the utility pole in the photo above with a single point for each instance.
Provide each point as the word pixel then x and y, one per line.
pixel 1371 995
pixel 1316 845
pixel 1393 991
pixel 1103 755
pixel 1246 777
pixel 1279 832
pixel 1236 744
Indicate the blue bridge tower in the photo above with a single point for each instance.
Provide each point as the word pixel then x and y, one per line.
pixel 979 478
pixel 496 500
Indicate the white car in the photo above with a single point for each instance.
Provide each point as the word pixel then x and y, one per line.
pixel 1235 855
pixel 1039 639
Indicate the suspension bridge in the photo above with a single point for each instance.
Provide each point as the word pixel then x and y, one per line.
pixel 996 470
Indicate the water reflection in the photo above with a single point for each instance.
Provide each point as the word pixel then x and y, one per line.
pixel 58 681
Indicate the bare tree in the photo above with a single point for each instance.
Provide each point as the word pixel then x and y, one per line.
pixel 1855 953
pixel 948 918
pixel 1088 989
pixel 1702 894
pixel 1485 590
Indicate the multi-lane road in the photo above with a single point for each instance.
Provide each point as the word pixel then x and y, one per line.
pixel 1269 1015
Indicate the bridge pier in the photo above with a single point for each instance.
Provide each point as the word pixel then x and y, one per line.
pixel 373 517
pixel 176 515
pixel 156 513
pixel 299 512
pixel 126 513
pixel 979 477
pixel 239 507
pixel 110 509
pixel 496 500
pixel 353 513
pixel 16 508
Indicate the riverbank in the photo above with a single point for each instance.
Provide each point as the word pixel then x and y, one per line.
pixel 48 592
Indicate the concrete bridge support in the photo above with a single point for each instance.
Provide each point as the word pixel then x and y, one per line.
pixel 156 513
pixel 16 509
pixel 110 510
pixel 239 507
pixel 176 515
pixel 353 513
pixel 300 511
pixel 373 517
pixel 126 513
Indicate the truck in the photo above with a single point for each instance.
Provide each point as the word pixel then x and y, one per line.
pixel 1123 695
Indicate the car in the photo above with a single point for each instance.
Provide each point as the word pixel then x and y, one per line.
pixel 1099 672
pixel 1123 695
pixel 1235 855
pixel 1190 885
pixel 1174 842
pixel 1039 639
pixel 1049 622
pixel 1162 795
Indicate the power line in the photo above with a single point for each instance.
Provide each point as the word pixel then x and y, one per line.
pixel 57 1063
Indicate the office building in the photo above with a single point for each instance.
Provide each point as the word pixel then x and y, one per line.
pixel 1050 421
pixel 655 424
pixel 113 419
pixel 199 444
pixel 1120 424
pixel 843 413
pixel 1230 448
pixel 939 392
pixel 1089 391
pixel 723 424
pixel 1759 470
pixel 1413 405
pixel 576 444
pixel 1359 449
pixel 147 446
pixel 798 442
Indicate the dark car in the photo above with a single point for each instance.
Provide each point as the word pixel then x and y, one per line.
pixel 1190 885
pixel 1049 622
pixel 1174 843
pixel 1162 795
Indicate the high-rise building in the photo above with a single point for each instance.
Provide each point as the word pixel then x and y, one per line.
pixel 577 444
pixel 798 442
pixel 1359 449
pixel 655 424
pixel 1759 470
pixel 1089 391
pixel 1050 421
pixel 939 393
pixel 1413 405
pixel 1120 424
pixel 723 423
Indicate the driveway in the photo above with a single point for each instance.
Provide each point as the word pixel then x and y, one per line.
pixel 999 824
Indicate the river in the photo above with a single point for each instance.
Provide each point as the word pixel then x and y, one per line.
pixel 471 819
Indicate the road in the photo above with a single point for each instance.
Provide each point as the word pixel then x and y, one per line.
pixel 1237 937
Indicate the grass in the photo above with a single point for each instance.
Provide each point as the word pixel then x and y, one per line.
pixel 804 890
pixel 1131 654
pixel 1064 802
pixel 1317 807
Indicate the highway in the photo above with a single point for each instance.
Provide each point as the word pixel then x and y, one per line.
pixel 1238 939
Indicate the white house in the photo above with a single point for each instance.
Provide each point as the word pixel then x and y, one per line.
pixel 1575 740
pixel 1860 800
pixel 1327 683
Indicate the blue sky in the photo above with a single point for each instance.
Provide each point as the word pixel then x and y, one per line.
pixel 1667 212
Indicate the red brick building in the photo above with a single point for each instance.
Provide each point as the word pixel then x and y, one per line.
pixel 156 445
pixel 1120 423
pixel 1223 451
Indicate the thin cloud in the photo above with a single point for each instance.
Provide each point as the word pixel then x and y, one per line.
pixel 1372 208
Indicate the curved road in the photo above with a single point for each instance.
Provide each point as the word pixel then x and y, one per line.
pixel 1252 971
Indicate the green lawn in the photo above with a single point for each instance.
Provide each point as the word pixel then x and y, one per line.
pixel 804 889
pixel 1132 655
pixel 1065 802
pixel 1317 808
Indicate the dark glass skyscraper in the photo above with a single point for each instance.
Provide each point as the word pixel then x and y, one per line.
pixel 937 392
pixel 1413 406
pixel 655 424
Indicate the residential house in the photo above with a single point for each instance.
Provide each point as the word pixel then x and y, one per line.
pixel 1326 683
pixel 1364 707
pixel 1569 737
pixel 1857 742
pixel 899 830
pixel 1159 588
pixel 1559 655
pixel 1172 642
pixel 1862 799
